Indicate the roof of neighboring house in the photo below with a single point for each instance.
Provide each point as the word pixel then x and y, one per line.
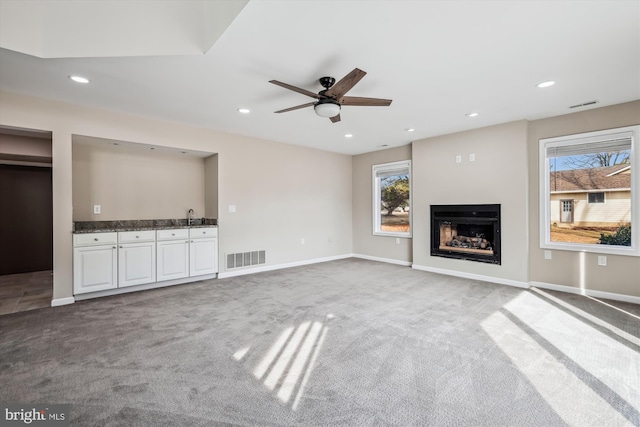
pixel 604 178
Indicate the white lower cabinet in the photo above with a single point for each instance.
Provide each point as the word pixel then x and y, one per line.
pixel 104 261
pixel 95 262
pixel 203 251
pixel 173 259
pixel 136 258
pixel 203 257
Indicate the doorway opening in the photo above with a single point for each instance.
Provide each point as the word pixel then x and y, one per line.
pixel 26 219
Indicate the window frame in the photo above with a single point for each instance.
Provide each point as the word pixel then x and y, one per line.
pixel 545 199
pixel 376 190
pixel 593 193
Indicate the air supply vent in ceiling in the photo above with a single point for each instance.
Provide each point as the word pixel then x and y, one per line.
pixel 584 104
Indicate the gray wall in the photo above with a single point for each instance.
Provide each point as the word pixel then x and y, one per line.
pixel 364 242
pixel 575 269
pixel 211 186
pixel 498 175
pixel 133 182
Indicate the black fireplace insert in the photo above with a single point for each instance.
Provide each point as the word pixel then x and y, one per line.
pixel 468 232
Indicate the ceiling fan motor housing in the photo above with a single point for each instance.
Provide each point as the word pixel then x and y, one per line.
pixel 327 82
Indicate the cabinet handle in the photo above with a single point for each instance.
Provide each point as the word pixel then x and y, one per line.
pixel 137 237
pixel 115 247
pixel 95 238
pixel 173 234
pixel 120 247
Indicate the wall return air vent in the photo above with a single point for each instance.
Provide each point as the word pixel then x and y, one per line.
pixel 245 259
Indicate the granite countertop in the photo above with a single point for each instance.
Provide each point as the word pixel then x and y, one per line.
pixel 80 227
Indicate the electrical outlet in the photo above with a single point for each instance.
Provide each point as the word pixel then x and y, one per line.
pixel 397 240
pixel 458 158
pixel 232 208
pixel 602 260
pixel 302 241
pixel 547 254
pixel 472 157
pixel 97 209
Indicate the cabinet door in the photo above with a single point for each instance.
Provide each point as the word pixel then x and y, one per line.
pixel 95 268
pixel 136 264
pixel 173 259
pixel 203 257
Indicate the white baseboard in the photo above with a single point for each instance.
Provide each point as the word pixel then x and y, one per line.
pixel 244 271
pixel 62 301
pixel 499 280
pixel 588 292
pixel 379 259
pixel 154 285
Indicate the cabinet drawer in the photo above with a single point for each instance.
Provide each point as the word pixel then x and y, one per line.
pixel 136 236
pixel 92 239
pixel 195 233
pixel 172 234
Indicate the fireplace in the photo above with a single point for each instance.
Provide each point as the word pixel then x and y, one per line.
pixel 469 232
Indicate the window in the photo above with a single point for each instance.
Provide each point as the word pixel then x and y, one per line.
pixel 596 197
pixel 391 199
pixel 575 173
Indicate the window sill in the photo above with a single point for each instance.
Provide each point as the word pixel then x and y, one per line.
pixel 392 234
pixel 595 249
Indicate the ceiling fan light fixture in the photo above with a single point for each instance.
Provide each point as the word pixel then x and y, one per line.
pixel 327 108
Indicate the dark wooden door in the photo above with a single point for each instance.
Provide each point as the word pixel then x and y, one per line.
pixel 26 219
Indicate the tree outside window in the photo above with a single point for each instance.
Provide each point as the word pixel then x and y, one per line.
pixel 392 199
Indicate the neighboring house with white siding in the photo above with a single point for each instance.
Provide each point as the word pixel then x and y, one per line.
pixel 594 197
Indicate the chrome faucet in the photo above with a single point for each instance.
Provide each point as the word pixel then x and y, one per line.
pixel 189 217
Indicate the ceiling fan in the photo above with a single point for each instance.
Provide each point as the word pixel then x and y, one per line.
pixel 330 100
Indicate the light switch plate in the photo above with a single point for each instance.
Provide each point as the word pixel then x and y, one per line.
pixel 458 158
pixel 602 260
pixel 472 157
pixel 547 254
pixel 232 208
pixel 97 209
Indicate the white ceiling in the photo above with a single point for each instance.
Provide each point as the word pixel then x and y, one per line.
pixel 437 60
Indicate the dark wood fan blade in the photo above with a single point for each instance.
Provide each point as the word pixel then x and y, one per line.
pixel 335 119
pixel 295 89
pixel 373 102
pixel 343 86
pixel 295 108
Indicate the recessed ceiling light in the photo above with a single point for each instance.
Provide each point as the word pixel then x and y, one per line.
pixel 348 135
pixel 546 84
pixel 79 79
pixel 471 114
pixel 410 130
pixel 244 110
